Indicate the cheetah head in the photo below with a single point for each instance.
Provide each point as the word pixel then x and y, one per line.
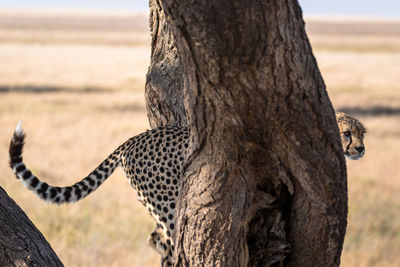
pixel 352 136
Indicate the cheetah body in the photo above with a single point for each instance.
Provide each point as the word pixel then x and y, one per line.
pixel 153 163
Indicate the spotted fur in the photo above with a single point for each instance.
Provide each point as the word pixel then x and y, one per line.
pixel 152 162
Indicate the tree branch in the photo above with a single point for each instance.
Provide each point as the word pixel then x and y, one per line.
pixel 21 243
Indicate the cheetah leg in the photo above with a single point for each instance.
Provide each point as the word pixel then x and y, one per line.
pixel 157 242
pixel 153 239
pixel 166 261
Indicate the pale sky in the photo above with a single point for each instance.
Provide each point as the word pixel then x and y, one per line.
pixel 387 8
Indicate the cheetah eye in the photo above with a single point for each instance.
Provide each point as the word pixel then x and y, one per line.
pixel 347 133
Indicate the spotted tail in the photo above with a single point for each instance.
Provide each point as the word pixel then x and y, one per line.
pixel 55 194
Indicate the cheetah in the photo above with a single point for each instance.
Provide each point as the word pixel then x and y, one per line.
pixel 153 163
pixel 352 136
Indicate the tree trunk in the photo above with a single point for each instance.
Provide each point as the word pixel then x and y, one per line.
pixel 21 243
pixel 265 180
pixel 164 83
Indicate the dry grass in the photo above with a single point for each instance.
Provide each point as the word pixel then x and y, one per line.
pixel 359 61
pixel 73 50
pixel 73 66
pixel 72 126
pixel 354 34
pixel 66 139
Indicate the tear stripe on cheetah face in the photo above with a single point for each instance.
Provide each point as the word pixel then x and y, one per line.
pixel 152 162
pixel 352 136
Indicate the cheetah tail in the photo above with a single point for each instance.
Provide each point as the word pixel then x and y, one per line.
pixel 55 194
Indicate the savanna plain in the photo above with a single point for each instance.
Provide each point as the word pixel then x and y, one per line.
pixel 76 80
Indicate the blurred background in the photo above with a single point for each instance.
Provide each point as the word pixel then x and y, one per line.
pixel 74 72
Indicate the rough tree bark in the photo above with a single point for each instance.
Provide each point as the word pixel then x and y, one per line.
pixel 265 182
pixel 21 243
pixel 164 83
